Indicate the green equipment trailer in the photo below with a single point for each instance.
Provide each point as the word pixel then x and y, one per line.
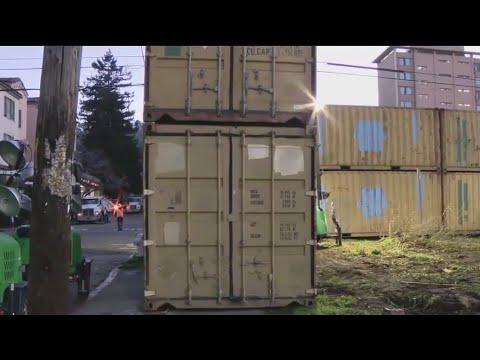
pixel 320 223
pixel 79 266
pixel 13 290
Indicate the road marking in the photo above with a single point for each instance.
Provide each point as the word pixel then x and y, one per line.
pixel 104 284
pixel 111 276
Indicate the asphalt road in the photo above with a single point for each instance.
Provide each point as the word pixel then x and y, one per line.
pixel 107 247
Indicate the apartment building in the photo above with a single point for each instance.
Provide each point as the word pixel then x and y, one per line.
pixel 429 77
pixel 13 109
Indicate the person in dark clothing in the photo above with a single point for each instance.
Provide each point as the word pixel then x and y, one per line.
pixel 105 216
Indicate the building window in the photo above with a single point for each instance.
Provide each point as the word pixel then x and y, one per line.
pixel 7 137
pixel 477 81
pixel 464 105
pixel 463 90
pixel 445 89
pixel 9 108
pixel 477 67
pixel 444 61
pixel 446 75
pixel 406 90
pixel 445 103
pixel 405 76
pixel 423 96
pixel 19 119
pixel 477 95
pixel 463 77
pixel 421 68
pixel 406 104
pixel 463 62
pixel 423 82
pixel 404 61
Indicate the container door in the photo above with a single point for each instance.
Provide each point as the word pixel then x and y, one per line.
pixel 273 209
pixel 188 233
pixel 189 77
pixel 272 79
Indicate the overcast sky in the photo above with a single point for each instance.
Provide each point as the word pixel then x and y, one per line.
pixel 358 89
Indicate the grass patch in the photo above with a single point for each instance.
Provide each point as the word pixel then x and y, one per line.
pixel 418 273
pixel 133 263
pixel 332 305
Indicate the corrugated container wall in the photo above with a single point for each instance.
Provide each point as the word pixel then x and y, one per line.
pixel 229 221
pixel 230 83
pixel 461 193
pixel 376 202
pixel 461 139
pixel 364 137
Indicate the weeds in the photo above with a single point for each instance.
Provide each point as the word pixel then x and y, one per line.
pixel 332 305
pixel 133 263
pixel 405 270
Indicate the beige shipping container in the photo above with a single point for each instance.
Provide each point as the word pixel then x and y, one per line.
pixel 228 217
pixel 230 83
pixel 461 140
pixel 376 203
pixel 371 137
pixel 461 194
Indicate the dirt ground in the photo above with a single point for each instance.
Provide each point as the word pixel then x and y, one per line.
pixel 435 275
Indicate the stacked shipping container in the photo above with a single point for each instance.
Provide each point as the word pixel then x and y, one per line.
pixel 380 167
pixel 230 170
pixel 390 169
pixel 461 168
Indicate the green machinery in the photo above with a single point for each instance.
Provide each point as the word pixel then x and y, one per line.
pixel 79 267
pixel 15 249
pixel 13 290
pixel 320 223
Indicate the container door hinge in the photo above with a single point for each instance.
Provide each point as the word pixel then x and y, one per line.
pixel 312 242
pixel 149 293
pixel 311 193
pixel 148 242
pixel 312 291
pixel 148 192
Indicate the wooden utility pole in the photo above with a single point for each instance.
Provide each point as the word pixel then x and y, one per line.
pixel 50 239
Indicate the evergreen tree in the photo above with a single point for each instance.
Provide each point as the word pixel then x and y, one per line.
pixel 108 127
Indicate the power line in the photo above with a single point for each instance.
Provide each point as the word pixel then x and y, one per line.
pixel 138 66
pixel 83 57
pixel 362 67
pixel 379 69
pixel 81 88
pixel 411 80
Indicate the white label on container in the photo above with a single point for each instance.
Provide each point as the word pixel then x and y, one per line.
pixel 170 158
pixel 288 160
pixel 171 233
pixel 258 151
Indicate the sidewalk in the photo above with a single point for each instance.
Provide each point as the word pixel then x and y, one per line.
pixel 123 296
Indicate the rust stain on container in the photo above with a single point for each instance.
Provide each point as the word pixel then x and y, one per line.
pixel 461 140
pixel 462 191
pixel 370 137
pixel 376 202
